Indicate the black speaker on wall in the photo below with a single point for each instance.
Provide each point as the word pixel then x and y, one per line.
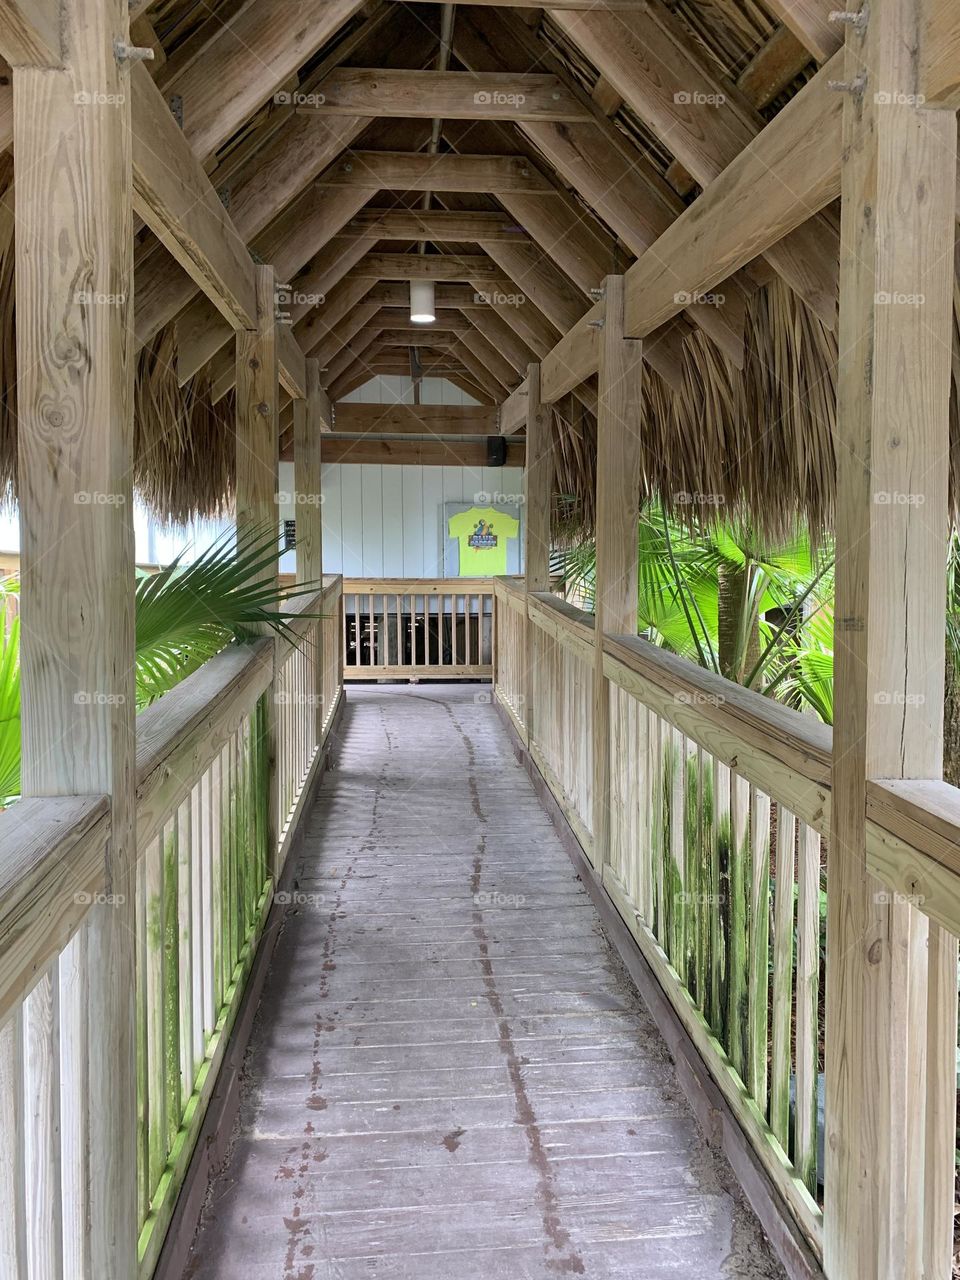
pixel 496 451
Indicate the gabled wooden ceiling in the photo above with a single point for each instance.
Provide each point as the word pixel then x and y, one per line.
pixel 576 140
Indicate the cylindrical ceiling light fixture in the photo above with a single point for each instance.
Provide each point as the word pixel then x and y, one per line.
pixel 422 301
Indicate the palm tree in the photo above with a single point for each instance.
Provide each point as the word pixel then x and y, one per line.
pixel 756 612
pixel 184 614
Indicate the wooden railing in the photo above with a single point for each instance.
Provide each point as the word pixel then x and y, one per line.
pixel 397 628
pixel 719 799
pixel 210 850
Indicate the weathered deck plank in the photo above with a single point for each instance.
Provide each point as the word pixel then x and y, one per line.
pixel 450 1074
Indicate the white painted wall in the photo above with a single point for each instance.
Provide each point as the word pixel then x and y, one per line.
pixel 378 521
pixel 387 521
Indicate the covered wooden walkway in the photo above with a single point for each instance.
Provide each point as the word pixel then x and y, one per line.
pixel 450 1073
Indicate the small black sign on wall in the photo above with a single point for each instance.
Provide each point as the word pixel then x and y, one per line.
pixel 289 534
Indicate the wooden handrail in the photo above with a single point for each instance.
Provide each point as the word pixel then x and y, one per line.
pixel 51 870
pixel 418 586
pixel 913 826
pixel 181 733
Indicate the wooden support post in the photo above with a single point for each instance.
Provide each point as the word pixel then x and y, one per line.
pixel 617 505
pixel 308 499
pixel 74 276
pixel 258 466
pixel 538 494
pixel 307 483
pixel 891 976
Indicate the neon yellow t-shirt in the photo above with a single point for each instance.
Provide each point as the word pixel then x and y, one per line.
pixel 483 534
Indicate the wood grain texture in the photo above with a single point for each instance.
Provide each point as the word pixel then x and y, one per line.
pixel 809 20
pixel 415 171
pixel 421 453
pixel 422 419
pixel 175 198
pixel 30 33
pixel 248 60
pixel 257 409
pixel 788 172
pixel 74 275
pixel 898 192
pixel 619 448
pixel 307 428
pixel 450 95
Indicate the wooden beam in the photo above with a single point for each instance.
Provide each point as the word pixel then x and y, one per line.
pixel 788 172
pixel 619 470
pixel 415 453
pixel 174 197
pixel 347 356
pixel 615 180
pixel 447 296
pixel 74 284
pixel 30 33
pixel 293 374
pixel 420 419
pixel 300 232
pixel 417 171
pixel 513 411
pixel 326 313
pixel 537 487
pixel 275 177
pixel 703 122
pixel 891 973
pixel 574 358
pixel 257 407
pixel 501 336
pixel 449 95
pixel 430 266
pixel 480 371
pixel 358 321
pixel 484 350
pixel 809 20
pixel 249 59
pixel 939 80
pixel 435 224
pixel 536 276
pixel 308 415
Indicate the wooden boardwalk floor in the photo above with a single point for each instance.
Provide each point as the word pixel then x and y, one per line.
pixel 451 1077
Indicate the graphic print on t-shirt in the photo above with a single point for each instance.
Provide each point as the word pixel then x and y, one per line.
pixel 483 533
